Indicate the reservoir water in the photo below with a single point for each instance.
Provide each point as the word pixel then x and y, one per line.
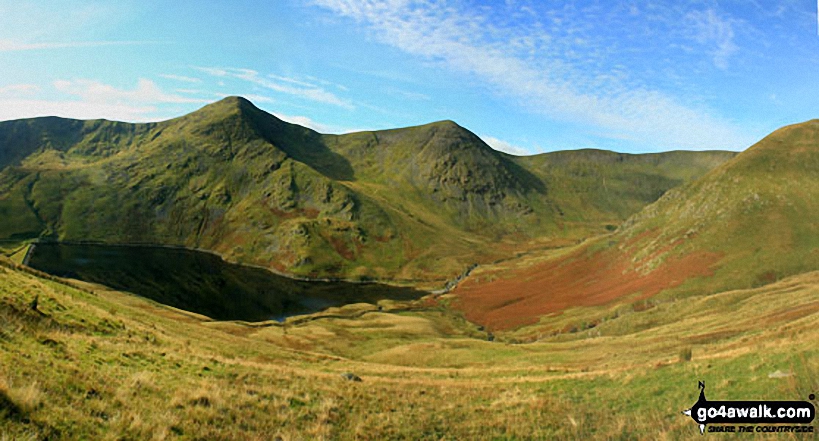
pixel 204 283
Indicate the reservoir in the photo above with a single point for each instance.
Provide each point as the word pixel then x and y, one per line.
pixel 203 283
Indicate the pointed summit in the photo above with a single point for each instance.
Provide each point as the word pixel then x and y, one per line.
pixel 237 120
pixel 446 124
pixel 225 108
pixel 229 104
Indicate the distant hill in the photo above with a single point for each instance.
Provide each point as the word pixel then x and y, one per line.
pixel 746 223
pixel 598 185
pixel 419 203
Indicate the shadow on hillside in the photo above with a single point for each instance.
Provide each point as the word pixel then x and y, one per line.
pixel 203 283
pixel 304 145
pixel 527 178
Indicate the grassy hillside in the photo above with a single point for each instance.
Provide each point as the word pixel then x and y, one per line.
pixel 415 204
pixel 444 165
pixel 609 187
pixel 754 211
pixel 744 224
pixel 208 180
pixel 91 363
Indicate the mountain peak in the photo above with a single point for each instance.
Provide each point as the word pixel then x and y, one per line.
pixel 236 112
pixel 446 126
pixel 446 123
pixel 229 105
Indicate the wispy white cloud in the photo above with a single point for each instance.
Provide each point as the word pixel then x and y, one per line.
pixel 412 96
pixel 714 31
pixel 181 78
pixel 506 147
pixel 19 89
pixel 90 99
pixel 215 71
pixel 279 84
pixel 196 92
pixel 303 121
pixel 14 46
pixel 96 92
pixel 327 83
pixel 293 81
pixel 518 62
pixel 311 124
pixel 255 98
pixel 211 95
pixel 31 108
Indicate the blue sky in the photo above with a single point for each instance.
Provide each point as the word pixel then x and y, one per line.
pixel 526 76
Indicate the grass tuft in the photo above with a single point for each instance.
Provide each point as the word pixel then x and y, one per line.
pixel 685 355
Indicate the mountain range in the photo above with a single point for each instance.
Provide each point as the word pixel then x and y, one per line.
pixel 583 276
pixel 416 204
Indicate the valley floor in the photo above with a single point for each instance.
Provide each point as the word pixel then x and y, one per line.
pixel 92 363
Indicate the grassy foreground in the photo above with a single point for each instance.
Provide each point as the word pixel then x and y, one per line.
pixel 100 364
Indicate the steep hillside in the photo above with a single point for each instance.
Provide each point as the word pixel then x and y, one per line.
pixel 597 187
pixel 21 138
pixel 212 179
pixel 450 196
pixel 568 194
pixel 746 223
pixel 420 203
pixel 756 211
pixel 445 165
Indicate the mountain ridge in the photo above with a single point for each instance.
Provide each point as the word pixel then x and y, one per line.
pixel 421 202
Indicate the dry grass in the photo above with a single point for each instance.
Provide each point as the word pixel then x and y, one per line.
pixel 18 253
pixel 107 365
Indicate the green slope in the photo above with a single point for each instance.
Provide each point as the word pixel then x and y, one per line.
pixel 92 363
pixel 745 224
pixel 756 211
pixel 575 193
pixel 420 203
pixel 206 180
pixel 597 187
